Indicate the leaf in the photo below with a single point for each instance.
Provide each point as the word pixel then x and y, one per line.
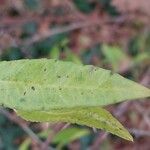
pixel 55 52
pixel 72 57
pixel 43 85
pixel 114 56
pixel 141 58
pixel 70 134
pixel 91 116
pixel 26 143
pixel 51 90
pixel 84 6
pixel 62 138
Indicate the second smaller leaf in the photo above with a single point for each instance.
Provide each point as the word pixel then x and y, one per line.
pixel 91 116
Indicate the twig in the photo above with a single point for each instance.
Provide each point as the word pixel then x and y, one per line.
pixel 120 110
pixel 65 126
pixel 144 113
pixel 138 132
pixel 56 129
pixel 38 37
pixel 145 79
pixel 101 137
pixel 74 26
pixel 16 120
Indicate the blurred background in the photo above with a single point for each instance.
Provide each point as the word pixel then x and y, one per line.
pixel 112 34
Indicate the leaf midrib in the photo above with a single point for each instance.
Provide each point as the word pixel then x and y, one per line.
pixel 58 85
pixel 52 86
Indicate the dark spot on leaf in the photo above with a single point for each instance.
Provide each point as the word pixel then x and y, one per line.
pixel 81 93
pixel 24 93
pixel 58 76
pixel 22 100
pixel 44 69
pixel 67 76
pixel 60 88
pixel 120 128
pixel 33 88
pixel 55 60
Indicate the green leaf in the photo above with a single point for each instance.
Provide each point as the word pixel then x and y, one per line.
pixel 70 134
pixel 25 145
pixel 91 116
pixel 84 6
pixel 141 58
pixel 42 84
pixel 72 57
pixel 55 52
pixel 52 90
pixel 62 138
pixel 114 56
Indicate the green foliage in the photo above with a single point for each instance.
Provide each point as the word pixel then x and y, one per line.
pixel 84 5
pixel 61 138
pixel 34 84
pixel 52 90
pixel 29 29
pixel 108 7
pixel 139 44
pixel 43 47
pixel 21 20
pixel 12 54
pixel 32 4
pixel 91 116
pixel 55 53
pixel 68 135
pixel 72 57
pixel 145 56
pixel 8 132
pixel 25 145
pixel 114 56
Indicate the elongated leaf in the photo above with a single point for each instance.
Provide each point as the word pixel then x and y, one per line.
pixel 115 56
pixel 70 134
pixel 48 84
pixel 90 116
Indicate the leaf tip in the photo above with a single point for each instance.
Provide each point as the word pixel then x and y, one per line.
pixel 130 138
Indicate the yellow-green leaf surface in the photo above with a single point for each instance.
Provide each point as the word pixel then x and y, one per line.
pixel 91 116
pixel 43 84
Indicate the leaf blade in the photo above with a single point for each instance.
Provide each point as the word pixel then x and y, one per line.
pixel 49 84
pixel 92 116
